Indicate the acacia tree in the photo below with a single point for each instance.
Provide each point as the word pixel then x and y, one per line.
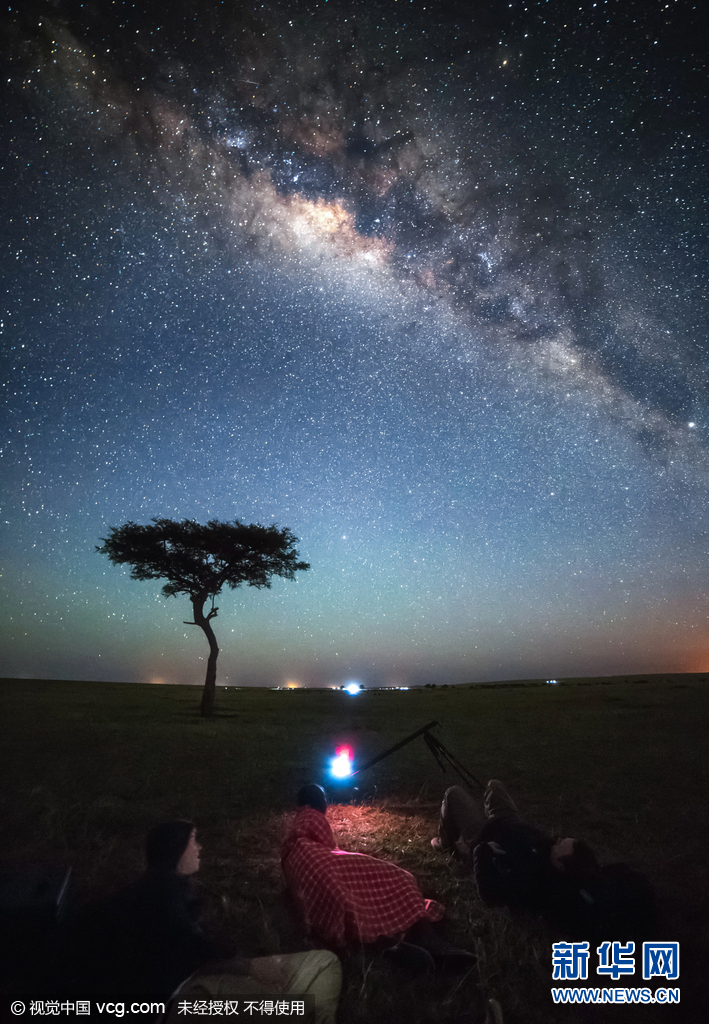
pixel 199 561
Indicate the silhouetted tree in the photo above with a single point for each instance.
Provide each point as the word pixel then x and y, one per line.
pixel 199 561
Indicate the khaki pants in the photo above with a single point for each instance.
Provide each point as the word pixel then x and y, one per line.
pixel 317 974
pixel 462 817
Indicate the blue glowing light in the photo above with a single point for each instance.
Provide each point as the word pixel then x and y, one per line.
pixel 353 688
pixel 341 765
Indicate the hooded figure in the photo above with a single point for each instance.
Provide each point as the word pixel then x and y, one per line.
pixel 346 897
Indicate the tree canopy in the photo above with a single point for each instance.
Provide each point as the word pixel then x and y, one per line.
pixel 200 560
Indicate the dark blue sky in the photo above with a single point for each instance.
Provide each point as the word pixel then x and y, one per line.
pixel 427 286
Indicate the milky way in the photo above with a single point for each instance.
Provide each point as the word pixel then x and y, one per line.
pixel 428 286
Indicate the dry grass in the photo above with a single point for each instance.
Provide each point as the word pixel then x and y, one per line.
pixel 89 767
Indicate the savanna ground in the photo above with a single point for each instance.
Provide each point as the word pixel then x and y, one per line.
pixel 89 767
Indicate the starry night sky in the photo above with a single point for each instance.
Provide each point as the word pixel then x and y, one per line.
pixel 425 283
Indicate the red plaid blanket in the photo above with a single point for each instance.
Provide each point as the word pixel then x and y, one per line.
pixel 348 897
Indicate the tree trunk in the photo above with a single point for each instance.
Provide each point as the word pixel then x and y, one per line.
pixel 210 683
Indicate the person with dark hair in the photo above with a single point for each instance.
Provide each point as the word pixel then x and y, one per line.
pixel 159 948
pixel 313 796
pixel 173 847
pixel 352 898
pixel 518 865
pixel 160 942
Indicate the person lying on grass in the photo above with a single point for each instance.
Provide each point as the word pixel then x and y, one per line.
pixel 159 949
pixel 520 866
pixel 353 898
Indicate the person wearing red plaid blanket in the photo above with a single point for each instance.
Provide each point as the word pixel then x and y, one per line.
pixel 353 898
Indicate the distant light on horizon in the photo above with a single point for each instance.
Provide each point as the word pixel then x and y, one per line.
pixel 489 419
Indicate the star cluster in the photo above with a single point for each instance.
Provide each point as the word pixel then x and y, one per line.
pixel 425 283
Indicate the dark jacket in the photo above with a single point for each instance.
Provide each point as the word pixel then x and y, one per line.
pixel 512 868
pixel 161 940
pixel 146 940
pixel 511 864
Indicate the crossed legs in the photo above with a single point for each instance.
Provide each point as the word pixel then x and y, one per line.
pixel 462 816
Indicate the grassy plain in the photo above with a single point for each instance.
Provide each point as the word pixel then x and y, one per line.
pixel 621 762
